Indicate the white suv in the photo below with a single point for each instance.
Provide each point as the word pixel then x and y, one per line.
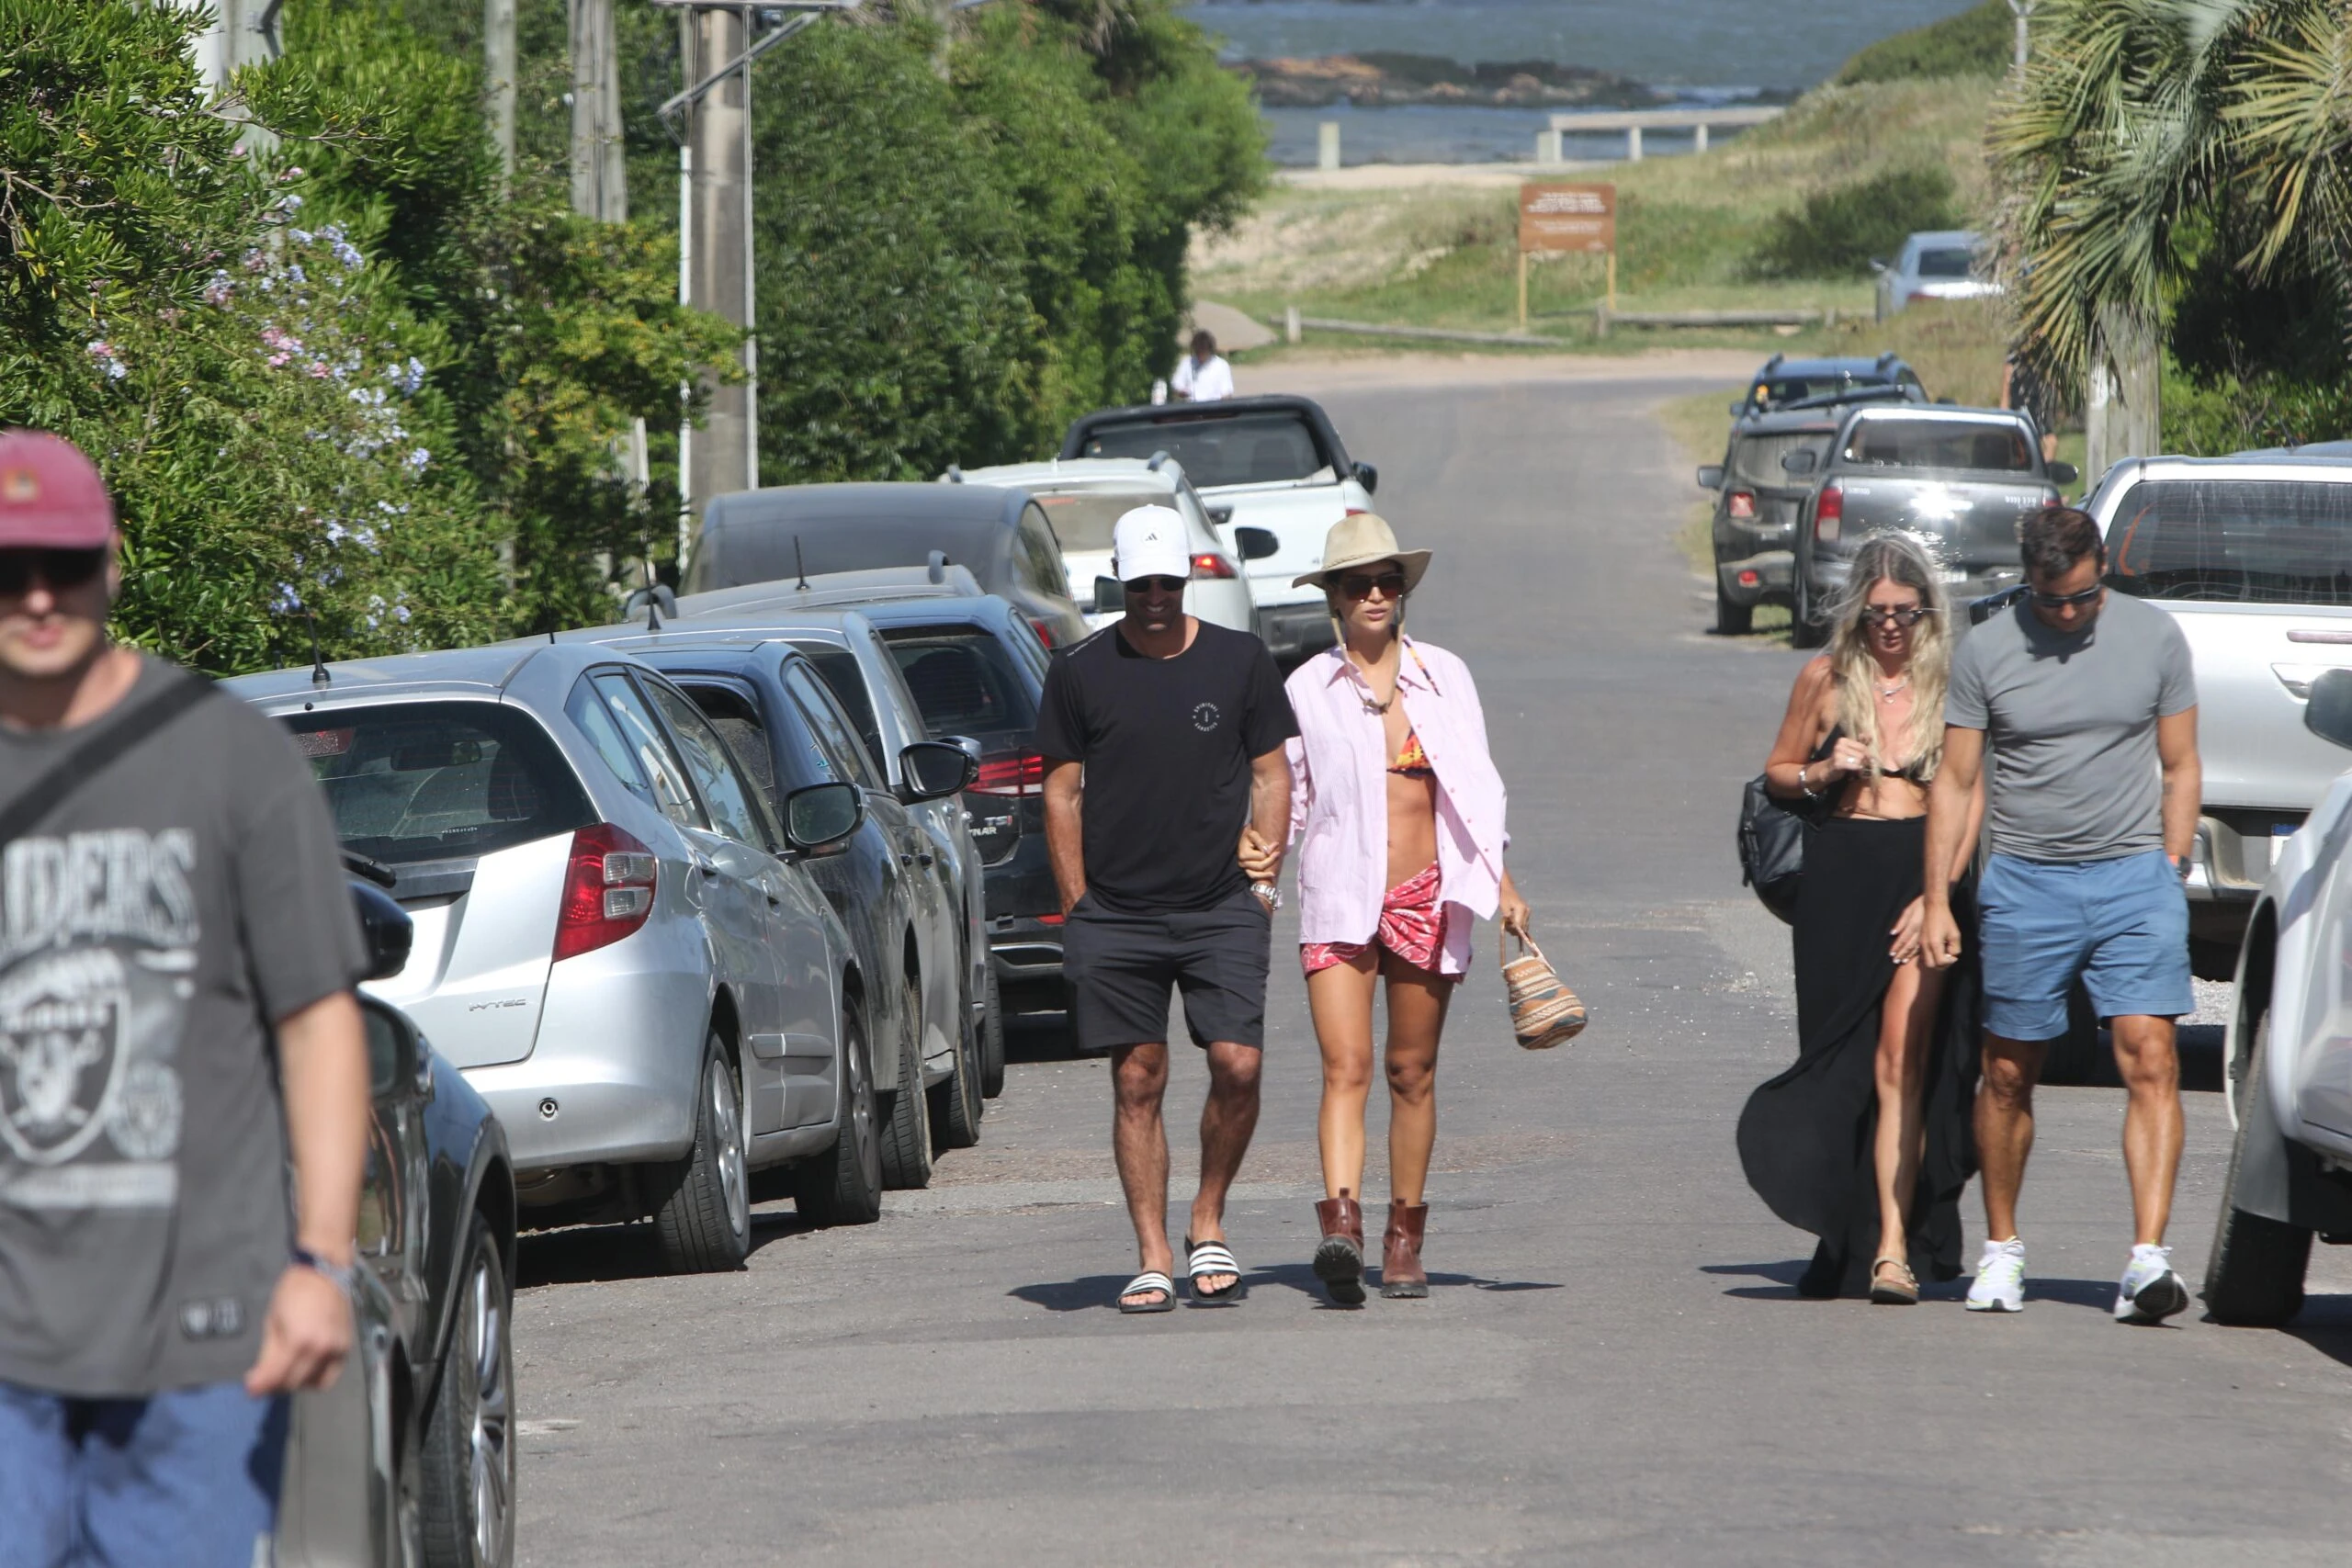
pixel 2289 1056
pixel 1084 497
pixel 1272 464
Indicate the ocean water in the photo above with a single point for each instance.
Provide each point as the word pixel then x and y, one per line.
pixel 1701 51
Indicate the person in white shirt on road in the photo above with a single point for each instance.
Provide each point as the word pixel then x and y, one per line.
pixel 1203 375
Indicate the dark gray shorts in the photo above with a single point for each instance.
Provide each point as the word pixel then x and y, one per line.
pixel 1119 968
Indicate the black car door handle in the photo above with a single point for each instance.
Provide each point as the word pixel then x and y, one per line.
pixel 926 860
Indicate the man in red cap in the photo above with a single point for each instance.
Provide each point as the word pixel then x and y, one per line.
pixel 177 950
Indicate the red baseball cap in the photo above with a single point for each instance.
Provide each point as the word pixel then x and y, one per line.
pixel 51 497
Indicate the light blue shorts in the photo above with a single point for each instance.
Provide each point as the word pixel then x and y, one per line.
pixel 2121 925
pixel 190 1478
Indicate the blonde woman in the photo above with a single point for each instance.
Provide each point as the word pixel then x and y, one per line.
pixel 1865 1141
pixel 1398 811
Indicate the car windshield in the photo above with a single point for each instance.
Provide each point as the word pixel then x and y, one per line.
pixel 1940 444
pixel 964 679
pixel 1082 519
pixel 1946 262
pixel 1262 448
pixel 412 782
pixel 2267 541
pixel 1774 391
pixel 1756 459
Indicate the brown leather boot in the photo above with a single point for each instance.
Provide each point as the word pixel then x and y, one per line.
pixel 1400 1250
pixel 1338 1257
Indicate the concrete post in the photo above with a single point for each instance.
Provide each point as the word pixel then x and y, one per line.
pixel 1547 146
pixel 1699 139
pixel 1633 144
pixel 599 171
pixel 725 454
pixel 1290 325
pixel 1327 144
pixel 2122 412
pixel 498 78
pixel 2021 9
pixel 244 33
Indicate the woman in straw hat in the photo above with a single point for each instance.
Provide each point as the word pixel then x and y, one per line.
pixel 1399 811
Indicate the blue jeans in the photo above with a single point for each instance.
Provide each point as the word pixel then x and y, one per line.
pixel 186 1479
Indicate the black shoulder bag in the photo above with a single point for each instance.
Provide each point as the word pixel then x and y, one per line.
pixel 116 733
pixel 1772 833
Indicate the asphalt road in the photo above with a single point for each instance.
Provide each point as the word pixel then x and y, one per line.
pixel 1612 1367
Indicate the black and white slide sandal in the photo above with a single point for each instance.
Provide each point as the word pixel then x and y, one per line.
pixel 1205 1257
pixel 1148 1280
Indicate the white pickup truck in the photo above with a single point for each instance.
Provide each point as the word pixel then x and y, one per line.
pixel 2252 555
pixel 1272 464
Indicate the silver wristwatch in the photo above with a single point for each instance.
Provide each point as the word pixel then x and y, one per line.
pixel 1267 893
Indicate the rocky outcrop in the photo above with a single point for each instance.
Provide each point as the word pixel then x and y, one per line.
pixel 1377 79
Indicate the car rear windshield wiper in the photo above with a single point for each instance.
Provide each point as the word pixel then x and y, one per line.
pixel 374 870
pixel 1847 395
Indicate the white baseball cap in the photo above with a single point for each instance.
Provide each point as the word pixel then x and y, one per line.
pixel 1149 542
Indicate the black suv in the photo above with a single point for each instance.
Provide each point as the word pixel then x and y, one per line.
pixel 1757 504
pixel 1785 383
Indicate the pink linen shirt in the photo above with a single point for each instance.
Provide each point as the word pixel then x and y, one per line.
pixel 1339 799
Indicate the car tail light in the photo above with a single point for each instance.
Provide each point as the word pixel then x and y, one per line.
pixel 1829 513
pixel 1749 579
pixel 607 890
pixel 1051 919
pixel 1208 563
pixel 1018 772
pixel 1741 504
pixel 1044 632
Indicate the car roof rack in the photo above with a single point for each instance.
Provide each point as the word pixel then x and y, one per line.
pixel 1850 394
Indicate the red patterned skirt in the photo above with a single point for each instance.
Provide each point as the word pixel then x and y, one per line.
pixel 1412 925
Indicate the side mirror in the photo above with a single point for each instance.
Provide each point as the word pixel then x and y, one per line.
pixel 1711 476
pixel 1255 543
pixel 824 814
pixel 389 932
pixel 1368 477
pixel 1803 460
pixel 2328 713
pixel 935 768
pixel 2061 474
pixel 1110 594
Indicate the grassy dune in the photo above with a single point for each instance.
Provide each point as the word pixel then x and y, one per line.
pixel 1446 256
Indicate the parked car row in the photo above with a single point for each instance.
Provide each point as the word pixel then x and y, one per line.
pixel 727 901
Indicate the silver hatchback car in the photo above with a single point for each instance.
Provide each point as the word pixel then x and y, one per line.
pixel 615 943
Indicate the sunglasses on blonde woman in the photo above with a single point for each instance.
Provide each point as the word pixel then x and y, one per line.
pixel 1909 616
pixel 1359 585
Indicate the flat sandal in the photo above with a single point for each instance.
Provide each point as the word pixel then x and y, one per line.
pixel 1902 1290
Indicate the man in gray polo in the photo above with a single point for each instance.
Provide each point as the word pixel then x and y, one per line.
pixel 2086 704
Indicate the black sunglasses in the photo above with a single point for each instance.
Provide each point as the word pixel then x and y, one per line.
pixel 2081 601
pixel 1907 616
pixel 1162 584
pixel 59 569
pixel 1359 585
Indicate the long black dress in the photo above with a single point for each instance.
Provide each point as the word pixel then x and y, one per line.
pixel 1806 1137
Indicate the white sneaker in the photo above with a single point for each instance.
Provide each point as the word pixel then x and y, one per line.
pixel 2149 1291
pixel 2000 1278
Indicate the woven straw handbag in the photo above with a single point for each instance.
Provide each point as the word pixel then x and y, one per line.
pixel 1544 1011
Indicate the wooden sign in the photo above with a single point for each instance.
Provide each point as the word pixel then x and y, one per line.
pixel 1567 218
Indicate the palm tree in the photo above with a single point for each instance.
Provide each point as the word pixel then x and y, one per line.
pixel 2150 137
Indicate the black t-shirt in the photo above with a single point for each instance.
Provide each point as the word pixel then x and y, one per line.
pixel 1167 744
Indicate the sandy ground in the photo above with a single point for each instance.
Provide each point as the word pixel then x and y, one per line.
pixel 1315 372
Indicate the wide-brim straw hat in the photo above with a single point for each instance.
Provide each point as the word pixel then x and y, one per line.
pixel 1360 540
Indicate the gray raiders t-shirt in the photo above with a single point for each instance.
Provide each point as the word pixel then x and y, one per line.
pixel 149 926
pixel 2070 725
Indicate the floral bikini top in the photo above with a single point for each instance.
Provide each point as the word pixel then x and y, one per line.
pixel 1411 762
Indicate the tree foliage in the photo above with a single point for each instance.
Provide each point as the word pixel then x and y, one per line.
pixel 1839 231
pixel 2186 162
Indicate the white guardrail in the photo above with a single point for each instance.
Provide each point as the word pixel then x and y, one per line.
pixel 1632 122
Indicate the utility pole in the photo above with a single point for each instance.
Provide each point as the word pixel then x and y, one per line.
pixel 724 453
pixel 498 79
pixel 599 170
pixel 715 225
pixel 244 33
pixel 2021 9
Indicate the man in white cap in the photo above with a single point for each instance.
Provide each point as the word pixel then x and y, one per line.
pixel 1163 736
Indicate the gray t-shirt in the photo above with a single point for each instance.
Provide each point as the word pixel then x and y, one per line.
pixel 2070 724
pixel 150 927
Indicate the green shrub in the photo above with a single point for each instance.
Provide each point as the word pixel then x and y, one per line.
pixel 1980 41
pixel 1837 233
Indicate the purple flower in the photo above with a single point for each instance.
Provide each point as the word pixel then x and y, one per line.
pixel 418 459
pixel 288 601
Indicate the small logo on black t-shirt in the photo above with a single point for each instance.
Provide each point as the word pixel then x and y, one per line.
pixel 1206 716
